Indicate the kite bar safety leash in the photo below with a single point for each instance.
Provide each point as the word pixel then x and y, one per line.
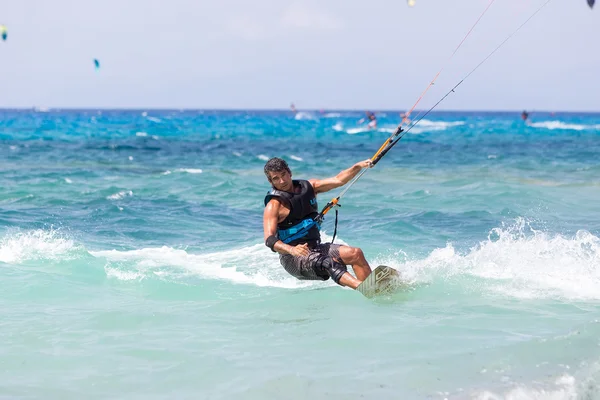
pixel 400 132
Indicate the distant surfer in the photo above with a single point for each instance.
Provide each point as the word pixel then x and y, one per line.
pixel 524 115
pixel 293 108
pixel 289 227
pixel 371 118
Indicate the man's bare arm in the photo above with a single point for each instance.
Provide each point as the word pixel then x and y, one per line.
pixel 270 219
pixel 327 184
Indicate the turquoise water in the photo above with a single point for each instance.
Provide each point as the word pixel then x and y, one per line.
pixel 132 263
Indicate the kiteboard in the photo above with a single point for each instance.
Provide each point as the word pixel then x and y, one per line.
pixel 383 280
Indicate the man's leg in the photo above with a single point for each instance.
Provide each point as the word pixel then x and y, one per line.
pixel 335 269
pixel 348 280
pixel 355 257
pixel 335 265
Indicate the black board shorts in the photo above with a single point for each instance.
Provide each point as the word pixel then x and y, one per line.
pixel 309 267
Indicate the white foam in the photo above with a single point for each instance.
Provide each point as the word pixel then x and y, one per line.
pixel 122 275
pixel 35 245
pixel 440 124
pixel 561 125
pixel 122 194
pixel 263 157
pixel 293 157
pixel 237 154
pixel 254 265
pixel 519 261
pixel 190 170
pixel 338 127
pixel 304 116
pixel 332 115
pixel 354 131
pixel 556 125
pixel 68 180
pixel 157 120
pixel 429 126
pixel 564 389
pixel 141 134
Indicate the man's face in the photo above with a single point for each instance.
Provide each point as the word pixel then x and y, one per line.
pixel 281 180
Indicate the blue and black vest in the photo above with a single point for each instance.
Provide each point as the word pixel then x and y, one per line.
pixel 299 226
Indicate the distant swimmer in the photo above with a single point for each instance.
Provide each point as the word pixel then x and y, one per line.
pixel 372 120
pixel 290 228
pixel 524 115
pixel 293 108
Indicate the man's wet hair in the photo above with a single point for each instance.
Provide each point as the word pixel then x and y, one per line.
pixel 276 164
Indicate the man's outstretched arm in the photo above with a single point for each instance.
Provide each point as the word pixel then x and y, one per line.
pixel 327 184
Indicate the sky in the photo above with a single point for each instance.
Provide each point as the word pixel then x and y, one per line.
pixel 265 54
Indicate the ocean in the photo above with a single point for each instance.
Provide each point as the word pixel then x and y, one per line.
pixel 132 260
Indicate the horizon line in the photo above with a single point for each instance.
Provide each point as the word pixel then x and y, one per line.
pixel 317 110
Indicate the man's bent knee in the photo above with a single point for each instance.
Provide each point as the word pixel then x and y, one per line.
pixel 358 254
pixel 352 255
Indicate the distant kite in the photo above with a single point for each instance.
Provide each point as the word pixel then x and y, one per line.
pixel 411 3
pixel 96 64
pixel 4 32
pixel 591 3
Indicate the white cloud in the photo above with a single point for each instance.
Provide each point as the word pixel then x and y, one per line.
pixel 301 16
